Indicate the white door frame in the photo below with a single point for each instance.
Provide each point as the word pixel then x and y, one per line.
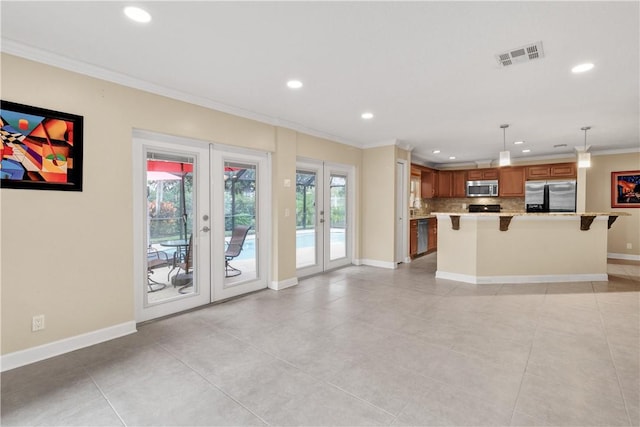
pixel 402 211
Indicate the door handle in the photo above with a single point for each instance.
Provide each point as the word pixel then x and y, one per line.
pixel 321 220
pixel 205 228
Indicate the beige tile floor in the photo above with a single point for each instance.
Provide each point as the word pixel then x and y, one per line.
pixel 360 346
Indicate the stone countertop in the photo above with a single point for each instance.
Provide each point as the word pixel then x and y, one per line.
pixel 520 213
pixel 422 216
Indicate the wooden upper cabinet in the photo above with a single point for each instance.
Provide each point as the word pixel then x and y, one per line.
pixel 511 182
pixel 459 184
pixel 480 174
pixel 444 183
pixel 429 182
pixel 554 170
pixel 565 170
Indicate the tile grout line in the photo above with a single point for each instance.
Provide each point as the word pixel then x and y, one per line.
pixel 613 360
pixel 213 384
pixel 524 373
pixel 104 396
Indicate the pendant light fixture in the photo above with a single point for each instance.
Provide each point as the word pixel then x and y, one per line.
pixel 584 158
pixel 505 156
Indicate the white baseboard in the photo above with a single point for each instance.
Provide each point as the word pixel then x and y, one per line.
pixel 283 284
pixel 624 256
pixel 376 263
pixel 548 278
pixel 56 348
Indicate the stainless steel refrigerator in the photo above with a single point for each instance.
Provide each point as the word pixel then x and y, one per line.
pixel 550 196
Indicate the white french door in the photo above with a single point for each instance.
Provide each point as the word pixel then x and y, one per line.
pixel 243 191
pixel 172 221
pixel 324 211
pixel 188 196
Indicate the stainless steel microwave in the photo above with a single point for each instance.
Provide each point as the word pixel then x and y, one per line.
pixel 487 188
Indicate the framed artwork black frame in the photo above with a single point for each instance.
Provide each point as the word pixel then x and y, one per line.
pixel 40 149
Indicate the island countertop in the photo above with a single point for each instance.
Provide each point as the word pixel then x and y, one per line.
pixel 521 213
pixel 523 247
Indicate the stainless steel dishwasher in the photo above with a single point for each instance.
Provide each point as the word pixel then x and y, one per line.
pixel 423 233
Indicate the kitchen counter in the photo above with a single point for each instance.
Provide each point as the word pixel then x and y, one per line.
pixel 521 213
pixel 422 216
pixel 521 247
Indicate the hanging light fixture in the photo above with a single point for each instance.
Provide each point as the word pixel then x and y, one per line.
pixel 584 157
pixel 505 155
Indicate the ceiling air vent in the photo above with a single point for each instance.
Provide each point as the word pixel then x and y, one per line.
pixel 521 54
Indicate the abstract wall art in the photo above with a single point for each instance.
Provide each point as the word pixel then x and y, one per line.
pixel 625 189
pixel 39 149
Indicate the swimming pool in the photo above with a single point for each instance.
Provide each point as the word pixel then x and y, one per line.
pixel 304 239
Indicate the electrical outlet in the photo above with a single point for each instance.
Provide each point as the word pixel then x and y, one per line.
pixel 37 323
pixel 629 246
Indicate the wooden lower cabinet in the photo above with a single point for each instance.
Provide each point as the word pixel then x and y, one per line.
pixel 413 237
pixel 432 242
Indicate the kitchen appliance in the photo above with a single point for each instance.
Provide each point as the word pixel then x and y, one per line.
pixel 550 196
pixel 485 188
pixel 423 233
pixel 484 208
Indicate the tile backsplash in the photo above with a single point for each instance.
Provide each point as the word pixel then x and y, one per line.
pixel 511 204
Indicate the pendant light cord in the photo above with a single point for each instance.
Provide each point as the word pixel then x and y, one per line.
pixel 504 136
pixel 585 129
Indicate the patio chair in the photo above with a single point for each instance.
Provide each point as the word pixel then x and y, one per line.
pixel 234 247
pixel 155 259
pixel 183 258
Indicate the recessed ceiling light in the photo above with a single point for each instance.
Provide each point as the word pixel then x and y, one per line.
pixel 294 84
pixel 452 157
pixel 518 142
pixel 526 150
pixel 137 14
pixel 367 116
pixel 436 151
pixel 582 68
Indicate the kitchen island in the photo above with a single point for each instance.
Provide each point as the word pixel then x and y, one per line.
pixel 518 247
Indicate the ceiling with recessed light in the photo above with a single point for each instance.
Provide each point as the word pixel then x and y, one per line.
pixel 427 72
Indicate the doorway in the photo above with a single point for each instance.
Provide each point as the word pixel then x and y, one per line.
pixel 198 223
pixel 324 211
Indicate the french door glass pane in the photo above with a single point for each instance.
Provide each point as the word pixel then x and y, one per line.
pixel 338 216
pixel 240 205
pixel 171 254
pixel 305 219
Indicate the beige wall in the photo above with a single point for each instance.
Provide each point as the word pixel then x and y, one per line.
pixel 68 255
pixel 626 229
pixel 378 204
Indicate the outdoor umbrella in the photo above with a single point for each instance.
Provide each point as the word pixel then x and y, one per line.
pixel 168 170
